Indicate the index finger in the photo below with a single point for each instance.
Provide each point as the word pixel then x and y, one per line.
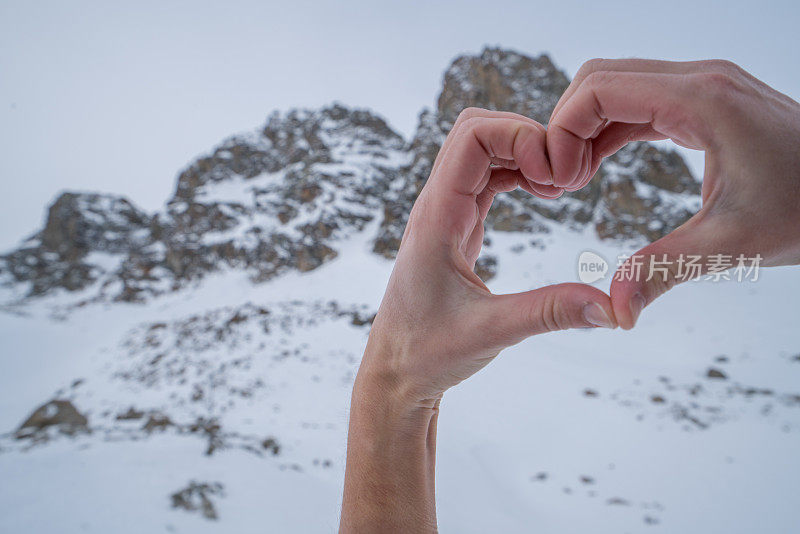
pixel 654 66
pixel 464 170
pixel 473 112
pixel 669 103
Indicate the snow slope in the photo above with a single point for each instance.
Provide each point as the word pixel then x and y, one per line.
pixel 189 370
pixel 514 440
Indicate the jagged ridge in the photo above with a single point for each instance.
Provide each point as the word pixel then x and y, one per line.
pixel 280 198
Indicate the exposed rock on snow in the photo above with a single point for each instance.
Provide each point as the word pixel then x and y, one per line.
pixel 197 497
pixel 283 197
pixel 58 414
pixel 211 363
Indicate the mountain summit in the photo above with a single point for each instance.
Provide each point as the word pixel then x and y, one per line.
pixel 199 374
pixel 282 198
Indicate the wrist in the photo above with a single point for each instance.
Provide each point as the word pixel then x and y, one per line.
pixel 381 426
pixel 387 375
pixel 386 406
pixel 390 456
pixel 384 399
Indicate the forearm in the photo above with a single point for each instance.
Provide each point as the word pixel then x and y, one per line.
pixel 391 449
pixel 439 324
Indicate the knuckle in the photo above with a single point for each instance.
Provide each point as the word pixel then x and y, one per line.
pixel 471 124
pixel 468 113
pixel 599 77
pixel 551 314
pixel 590 66
pixel 716 85
pixel 724 66
pixel 683 111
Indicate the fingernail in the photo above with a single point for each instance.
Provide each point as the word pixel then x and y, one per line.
pixel 637 305
pixel 595 314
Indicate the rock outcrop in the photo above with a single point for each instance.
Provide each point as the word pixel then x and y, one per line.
pixel 283 197
pixel 59 414
pixel 642 192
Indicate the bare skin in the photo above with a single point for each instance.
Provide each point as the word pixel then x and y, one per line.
pixel 751 137
pixel 438 324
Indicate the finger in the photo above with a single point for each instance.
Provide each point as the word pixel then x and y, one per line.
pixel 515 317
pixel 548 192
pixel 472 249
pixel 504 180
pixel 506 163
pixel 618 134
pixel 713 66
pixel 641 65
pixel 701 245
pixel 501 180
pixel 452 190
pixel 479 140
pixel 618 65
pixel 668 103
pixel 610 140
pixel 469 113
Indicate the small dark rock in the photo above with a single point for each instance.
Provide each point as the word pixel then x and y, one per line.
pixel 211 429
pixel 271 445
pixel 716 374
pixel 56 413
pixel 131 414
pixel 157 421
pixel 197 497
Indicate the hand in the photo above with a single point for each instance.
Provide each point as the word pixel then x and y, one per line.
pixel 438 323
pixel 751 137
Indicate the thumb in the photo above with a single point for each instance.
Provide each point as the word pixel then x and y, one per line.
pixel 558 307
pixel 693 249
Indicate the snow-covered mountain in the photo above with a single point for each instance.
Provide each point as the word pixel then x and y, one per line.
pixel 189 369
pixel 281 198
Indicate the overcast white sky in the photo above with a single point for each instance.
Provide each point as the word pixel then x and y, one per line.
pixel 95 96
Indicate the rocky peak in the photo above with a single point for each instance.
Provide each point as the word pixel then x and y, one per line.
pixel 495 79
pixel 304 137
pixel 642 192
pixel 281 197
pixel 78 223
pixel 501 80
pixel 312 136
